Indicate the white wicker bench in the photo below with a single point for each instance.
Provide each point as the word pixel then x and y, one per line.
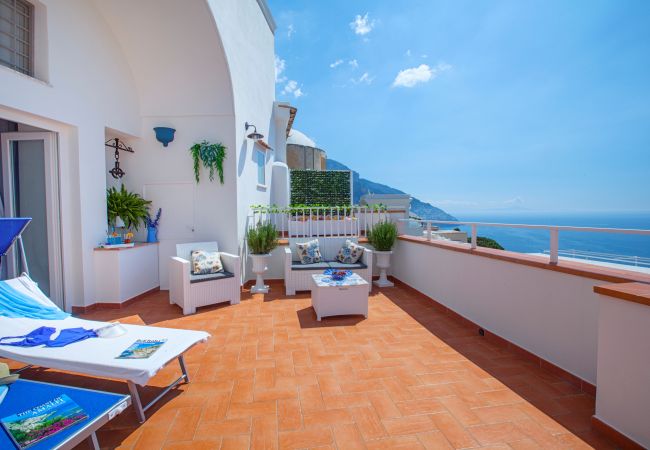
pixel 297 276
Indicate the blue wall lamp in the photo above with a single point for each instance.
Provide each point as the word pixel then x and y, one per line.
pixel 164 135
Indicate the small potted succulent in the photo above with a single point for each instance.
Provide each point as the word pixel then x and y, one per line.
pixel 262 239
pixel 382 237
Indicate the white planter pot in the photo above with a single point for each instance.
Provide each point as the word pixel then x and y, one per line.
pixel 260 266
pixel 119 223
pixel 383 263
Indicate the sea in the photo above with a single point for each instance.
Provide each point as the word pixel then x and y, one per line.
pixel 537 241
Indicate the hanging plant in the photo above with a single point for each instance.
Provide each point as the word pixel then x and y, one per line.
pixel 212 156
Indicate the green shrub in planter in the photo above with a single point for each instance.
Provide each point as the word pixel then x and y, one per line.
pixel 382 236
pixel 262 238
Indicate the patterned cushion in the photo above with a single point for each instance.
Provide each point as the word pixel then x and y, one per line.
pixel 206 262
pixel 349 253
pixel 309 252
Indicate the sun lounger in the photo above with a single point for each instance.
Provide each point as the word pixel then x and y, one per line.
pixel 97 356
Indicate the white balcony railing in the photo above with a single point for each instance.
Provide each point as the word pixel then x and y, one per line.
pixel 554 232
pixel 353 221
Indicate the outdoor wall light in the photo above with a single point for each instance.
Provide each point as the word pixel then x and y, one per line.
pixel 254 135
pixel 117 172
pixel 164 135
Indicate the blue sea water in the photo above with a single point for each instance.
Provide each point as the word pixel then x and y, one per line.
pixel 535 241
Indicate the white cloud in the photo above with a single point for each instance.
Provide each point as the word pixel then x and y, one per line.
pixel 514 202
pixel 354 63
pixel 338 62
pixel 408 52
pixel 362 25
pixel 290 31
pixel 292 88
pixel 365 78
pixel 421 74
pixel 280 65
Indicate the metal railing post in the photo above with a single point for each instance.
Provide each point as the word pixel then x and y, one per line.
pixel 428 231
pixel 555 245
pixel 474 237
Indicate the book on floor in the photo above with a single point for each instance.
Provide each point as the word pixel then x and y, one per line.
pixel 142 349
pixel 33 425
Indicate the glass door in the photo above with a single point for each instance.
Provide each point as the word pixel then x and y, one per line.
pixel 30 189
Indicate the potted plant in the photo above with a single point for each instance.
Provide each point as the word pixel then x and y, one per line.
pixel 152 226
pixel 126 209
pixel 261 239
pixel 212 156
pixel 382 237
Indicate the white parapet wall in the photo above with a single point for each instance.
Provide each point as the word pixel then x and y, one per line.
pixel 623 400
pixel 549 313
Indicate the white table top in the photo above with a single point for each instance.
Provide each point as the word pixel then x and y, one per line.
pixel 323 280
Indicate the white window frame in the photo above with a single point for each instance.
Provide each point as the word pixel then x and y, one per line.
pixel 29 71
pixel 260 162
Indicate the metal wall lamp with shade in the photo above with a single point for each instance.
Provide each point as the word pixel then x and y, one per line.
pixel 257 136
pixel 254 135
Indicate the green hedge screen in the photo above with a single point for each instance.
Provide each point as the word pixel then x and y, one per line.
pixel 313 187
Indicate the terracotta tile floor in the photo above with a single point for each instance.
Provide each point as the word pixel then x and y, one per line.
pixel 408 377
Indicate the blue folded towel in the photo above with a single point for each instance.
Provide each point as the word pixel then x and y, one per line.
pixel 15 304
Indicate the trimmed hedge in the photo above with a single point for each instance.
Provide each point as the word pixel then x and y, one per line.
pixel 313 187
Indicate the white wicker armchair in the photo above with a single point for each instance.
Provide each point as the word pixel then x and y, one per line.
pixel 297 277
pixel 190 291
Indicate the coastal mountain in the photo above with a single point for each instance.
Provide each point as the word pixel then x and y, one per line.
pixel 362 186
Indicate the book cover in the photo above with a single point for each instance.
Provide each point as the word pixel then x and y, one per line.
pixel 32 426
pixel 142 349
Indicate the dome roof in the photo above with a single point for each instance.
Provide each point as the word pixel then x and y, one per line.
pixel 298 138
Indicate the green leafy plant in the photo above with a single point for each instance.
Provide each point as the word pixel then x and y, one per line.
pixel 262 238
pixel 322 188
pixel 382 236
pixel 482 241
pixel 129 206
pixel 212 156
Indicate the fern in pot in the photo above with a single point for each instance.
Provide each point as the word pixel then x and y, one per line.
pixel 382 237
pixel 126 209
pixel 262 239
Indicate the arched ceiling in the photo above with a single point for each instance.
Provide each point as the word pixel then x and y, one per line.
pixel 175 55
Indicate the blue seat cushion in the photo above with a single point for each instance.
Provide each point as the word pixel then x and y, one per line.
pixel 297 265
pixel 210 276
pixel 343 266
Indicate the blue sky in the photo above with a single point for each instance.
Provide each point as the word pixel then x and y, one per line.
pixel 477 105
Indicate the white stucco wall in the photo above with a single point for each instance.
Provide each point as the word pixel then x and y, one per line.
pixel 551 314
pixel 183 82
pixel 252 71
pixel 623 400
pixel 88 88
pixel 120 68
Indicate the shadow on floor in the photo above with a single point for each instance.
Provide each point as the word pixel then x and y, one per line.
pixel 557 398
pixel 307 319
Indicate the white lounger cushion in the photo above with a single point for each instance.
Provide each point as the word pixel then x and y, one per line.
pixel 95 356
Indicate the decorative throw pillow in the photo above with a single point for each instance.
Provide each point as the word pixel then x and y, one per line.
pixel 349 253
pixel 309 252
pixel 206 262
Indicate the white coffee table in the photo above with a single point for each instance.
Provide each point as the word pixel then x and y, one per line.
pixel 335 298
